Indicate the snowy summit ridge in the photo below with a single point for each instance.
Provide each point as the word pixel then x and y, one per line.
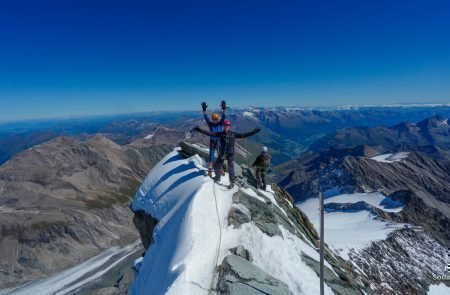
pixel 211 239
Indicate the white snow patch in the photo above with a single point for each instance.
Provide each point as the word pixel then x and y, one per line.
pixel 390 158
pixel 150 136
pixel 443 122
pixel 440 289
pixel 345 231
pixel 137 263
pixel 250 115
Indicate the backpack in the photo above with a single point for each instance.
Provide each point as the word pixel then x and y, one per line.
pixel 262 161
pixel 266 159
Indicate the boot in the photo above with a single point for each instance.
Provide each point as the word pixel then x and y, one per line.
pixel 231 185
pixel 209 172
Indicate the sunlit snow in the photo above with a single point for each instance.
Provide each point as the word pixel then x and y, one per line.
pixel 390 158
pixel 183 258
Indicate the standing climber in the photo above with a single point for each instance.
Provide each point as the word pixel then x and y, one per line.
pixel 262 164
pixel 226 151
pixel 215 125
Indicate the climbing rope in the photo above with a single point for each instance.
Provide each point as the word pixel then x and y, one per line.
pixel 220 239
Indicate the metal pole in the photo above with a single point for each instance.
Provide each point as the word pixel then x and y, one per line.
pixel 246 149
pixel 321 242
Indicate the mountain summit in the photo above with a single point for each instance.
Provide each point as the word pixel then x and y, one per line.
pixel 205 238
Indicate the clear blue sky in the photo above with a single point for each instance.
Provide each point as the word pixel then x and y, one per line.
pixel 60 58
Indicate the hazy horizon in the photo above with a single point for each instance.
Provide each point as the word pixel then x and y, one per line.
pixel 211 108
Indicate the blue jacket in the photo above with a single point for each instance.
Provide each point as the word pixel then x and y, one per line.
pixel 214 127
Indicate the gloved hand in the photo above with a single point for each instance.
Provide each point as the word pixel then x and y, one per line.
pixel 223 105
pixel 204 106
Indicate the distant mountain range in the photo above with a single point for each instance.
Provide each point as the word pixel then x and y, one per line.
pixel 431 135
pixel 287 131
pixel 65 189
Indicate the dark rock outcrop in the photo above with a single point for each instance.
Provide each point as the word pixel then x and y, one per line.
pixel 145 224
pixel 239 276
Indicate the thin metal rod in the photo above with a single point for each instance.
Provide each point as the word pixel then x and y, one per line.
pixel 321 242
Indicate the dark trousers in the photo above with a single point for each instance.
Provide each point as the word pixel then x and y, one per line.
pixel 219 164
pixel 261 177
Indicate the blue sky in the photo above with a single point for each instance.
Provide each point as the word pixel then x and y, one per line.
pixel 61 58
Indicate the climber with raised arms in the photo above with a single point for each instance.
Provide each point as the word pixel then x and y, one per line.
pixel 227 140
pixel 215 125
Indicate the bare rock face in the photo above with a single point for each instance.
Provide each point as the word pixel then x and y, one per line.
pixel 65 200
pixel 239 276
pixel 404 263
pixel 145 224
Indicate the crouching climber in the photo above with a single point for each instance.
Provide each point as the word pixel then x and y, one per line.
pixel 226 151
pixel 261 165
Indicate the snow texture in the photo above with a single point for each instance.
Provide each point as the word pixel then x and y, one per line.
pixel 183 258
pixel 346 231
pixel 250 115
pixel 390 158
pixel 440 289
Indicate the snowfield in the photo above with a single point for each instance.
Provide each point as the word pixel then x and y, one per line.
pixel 193 235
pixel 440 289
pixel 390 158
pixel 347 231
pixel 250 115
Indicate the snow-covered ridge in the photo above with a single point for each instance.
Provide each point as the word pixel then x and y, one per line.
pixel 193 235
